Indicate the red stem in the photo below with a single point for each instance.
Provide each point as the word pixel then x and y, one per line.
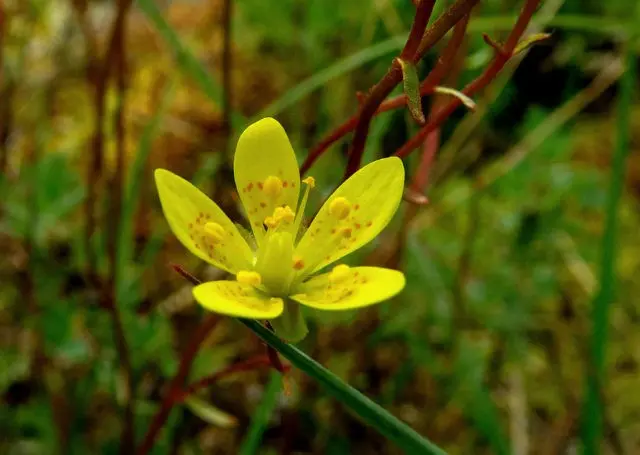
pixel 177 383
pixel 499 61
pixel 394 75
pixel 426 87
pixel 432 141
pixel 420 21
pixel 247 365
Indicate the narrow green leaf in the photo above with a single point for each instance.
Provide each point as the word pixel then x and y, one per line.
pixel 592 428
pixel 210 413
pixel 304 88
pixel 260 418
pixel 529 41
pixel 134 182
pixel 370 412
pixel 411 83
pixel 185 59
pixel 464 99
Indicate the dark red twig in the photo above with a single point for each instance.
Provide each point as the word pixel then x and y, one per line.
pixel 432 141
pixel 227 83
pixel 177 383
pixel 424 8
pixel 489 74
pixel 394 75
pixel 127 442
pixel 247 365
pixel 426 87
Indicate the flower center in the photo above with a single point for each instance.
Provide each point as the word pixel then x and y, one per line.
pixel 275 267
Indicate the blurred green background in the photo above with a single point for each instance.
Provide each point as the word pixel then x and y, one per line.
pixel 488 348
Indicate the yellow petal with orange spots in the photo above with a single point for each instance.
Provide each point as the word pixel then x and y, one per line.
pixel 353 215
pixel 237 299
pixel 201 225
pixel 353 288
pixel 266 172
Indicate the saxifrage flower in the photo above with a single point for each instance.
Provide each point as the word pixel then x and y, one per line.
pixel 276 268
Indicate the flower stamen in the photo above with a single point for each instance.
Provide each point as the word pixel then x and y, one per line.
pixel 310 182
pixel 340 208
pixel 272 187
pixel 339 273
pixel 249 277
pixel 215 231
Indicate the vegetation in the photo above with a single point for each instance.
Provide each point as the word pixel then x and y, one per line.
pixel 517 124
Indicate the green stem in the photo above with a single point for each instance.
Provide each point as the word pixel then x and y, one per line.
pixel 370 412
pixel 594 407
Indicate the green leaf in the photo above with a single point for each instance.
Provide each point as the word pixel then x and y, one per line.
pixel 260 418
pixel 321 78
pixel 593 411
pixel 411 84
pixel 210 413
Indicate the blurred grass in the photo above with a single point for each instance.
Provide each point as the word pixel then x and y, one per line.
pixel 444 374
pixel 261 416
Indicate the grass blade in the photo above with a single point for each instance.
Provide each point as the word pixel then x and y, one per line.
pixel 260 418
pixel 321 78
pixel 370 412
pixel 187 62
pixel 134 180
pixel 594 407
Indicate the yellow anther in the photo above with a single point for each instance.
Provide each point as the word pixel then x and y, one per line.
pixel 271 222
pixel 346 232
pixel 272 186
pixel 284 214
pixel 310 181
pixel 339 273
pixel 215 231
pixel 248 277
pixel 298 263
pixel 340 208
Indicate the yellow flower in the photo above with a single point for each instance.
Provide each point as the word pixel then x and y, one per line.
pixel 278 274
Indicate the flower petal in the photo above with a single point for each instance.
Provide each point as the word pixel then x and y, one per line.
pixel 353 215
pixel 188 211
pixel 264 152
pixel 361 287
pixel 237 299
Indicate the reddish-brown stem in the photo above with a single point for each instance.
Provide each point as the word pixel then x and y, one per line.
pixel 227 88
pixel 426 87
pixel 424 8
pixel 177 383
pixel 247 365
pixel 447 57
pixel 394 75
pixel 432 141
pixel 488 75
pixel 127 441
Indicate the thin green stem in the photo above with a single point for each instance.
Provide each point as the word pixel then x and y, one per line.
pixel 370 412
pixel 593 417
pixel 260 418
